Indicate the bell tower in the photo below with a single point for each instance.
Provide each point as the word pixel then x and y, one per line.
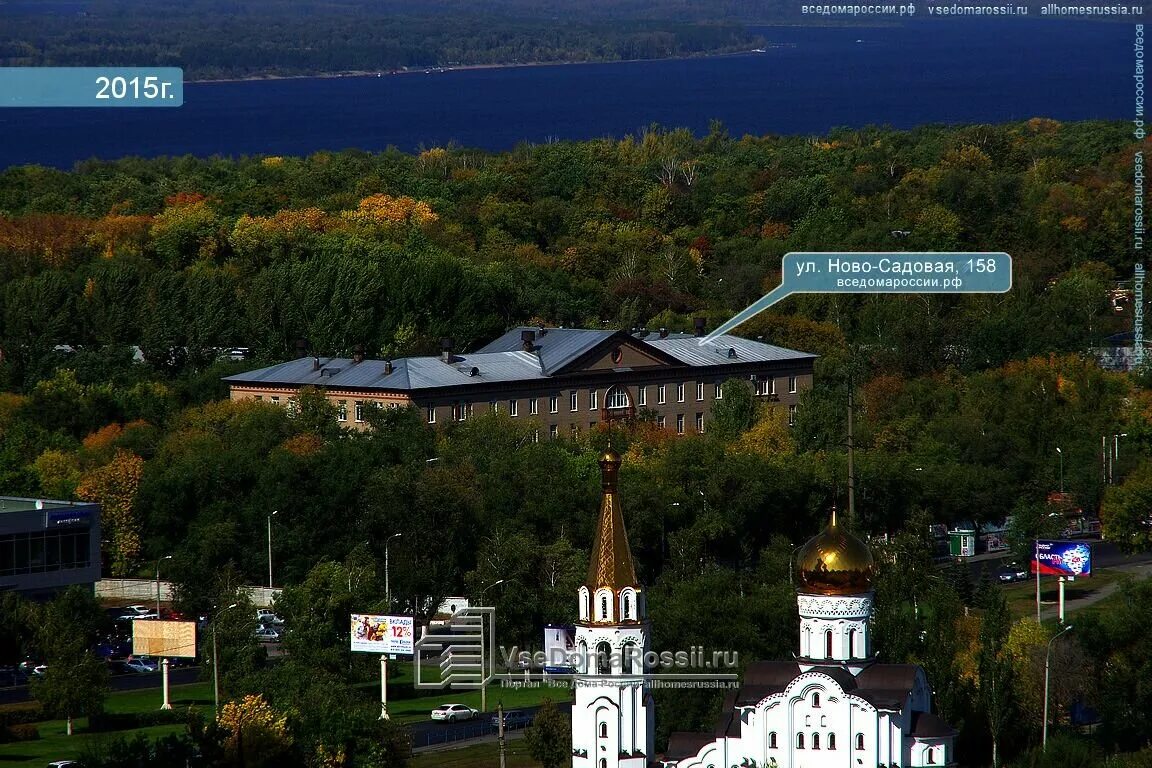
pixel 612 718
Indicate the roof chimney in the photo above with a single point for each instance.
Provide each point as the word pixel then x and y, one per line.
pixel 446 349
pixel 699 322
pixel 663 333
pixel 529 340
pixel 358 354
pixel 387 367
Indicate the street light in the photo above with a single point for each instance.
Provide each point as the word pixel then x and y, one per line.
pixel 1047 665
pixel 166 557
pixel 483 676
pixel 387 586
pixel 274 513
pixel 1061 469
pixel 215 660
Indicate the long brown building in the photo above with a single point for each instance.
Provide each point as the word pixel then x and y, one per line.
pixel 567 379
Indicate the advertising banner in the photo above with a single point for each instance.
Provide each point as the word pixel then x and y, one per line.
pixel 151 637
pixel 1062 558
pixel 559 647
pixel 382 634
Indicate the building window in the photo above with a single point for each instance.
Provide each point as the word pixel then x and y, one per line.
pixel 533 406
pixel 259 397
pixel 552 432
pixel 293 406
pixel 699 391
pixel 603 730
pixel 629 658
pixel 513 408
pixel 603 762
pixel 573 396
pixel 431 414
pixel 553 404
pixel 700 423
pixel 661 422
pixel 604 607
pixel 592 399
pixel 816 696
pixel 792 384
pixel 792 415
pixel 591 425
pixel 680 393
pixel 661 392
pixel 342 410
pixel 627 607
pixel 719 393
pixel 275 400
pixel 535 435
pixel 772 740
pixel 859 741
pixel 772 386
pixel 815 741
pixel 359 410
pixel 679 423
pixel 799 741
pixel 616 398
pixel 852 652
pixel 931 756
pixel 831 741
pixel 827 653
pixel 642 396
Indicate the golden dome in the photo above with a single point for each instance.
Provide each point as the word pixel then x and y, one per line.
pixel 610 455
pixel 834 563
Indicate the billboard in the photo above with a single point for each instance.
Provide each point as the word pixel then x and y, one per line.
pixel 1062 558
pixel 382 634
pixel 152 637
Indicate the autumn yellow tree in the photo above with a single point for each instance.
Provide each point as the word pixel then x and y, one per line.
pixel 113 486
pixel 257 733
pixel 383 212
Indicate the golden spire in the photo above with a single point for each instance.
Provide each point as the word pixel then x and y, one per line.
pixel 611 564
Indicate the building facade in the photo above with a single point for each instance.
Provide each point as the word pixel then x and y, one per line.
pixel 48 545
pixel 567 379
pixel 834 706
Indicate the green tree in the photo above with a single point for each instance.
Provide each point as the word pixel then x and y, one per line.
pixel 1126 513
pixel 995 668
pixel 549 738
pixel 75 682
pixel 736 412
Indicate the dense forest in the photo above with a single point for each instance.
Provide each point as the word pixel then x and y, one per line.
pixel 213 40
pixel 961 401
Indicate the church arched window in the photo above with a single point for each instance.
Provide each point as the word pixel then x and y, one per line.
pixel 603 659
pixel 582 662
pixel 603 730
pixel 629 661
pixel 828 644
pixel 816 700
pixel 859 741
pixel 584 605
pixel 604 607
pixel 627 606
pixel 853 651
pixel 815 741
pixel 603 762
pixel 831 741
pixel 799 741
pixel 772 740
pixel 930 758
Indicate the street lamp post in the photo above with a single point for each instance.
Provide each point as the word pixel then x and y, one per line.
pixel 1047 669
pixel 387 585
pixel 158 560
pixel 1061 454
pixel 483 676
pixel 215 659
pixel 274 513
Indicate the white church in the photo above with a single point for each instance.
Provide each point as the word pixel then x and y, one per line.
pixel 834 704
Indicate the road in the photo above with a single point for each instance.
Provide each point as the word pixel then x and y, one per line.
pixel 177 676
pixel 429 735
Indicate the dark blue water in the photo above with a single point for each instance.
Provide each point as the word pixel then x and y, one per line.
pixel 808 80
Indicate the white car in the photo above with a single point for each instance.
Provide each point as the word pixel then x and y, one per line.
pixel 132 612
pixel 268 635
pixel 139 666
pixel 268 616
pixel 453 712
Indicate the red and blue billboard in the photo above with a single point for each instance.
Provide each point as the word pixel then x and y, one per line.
pixel 1062 558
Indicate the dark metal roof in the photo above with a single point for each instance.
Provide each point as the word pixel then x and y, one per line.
pixel 684 745
pixel 505 361
pixel 926 725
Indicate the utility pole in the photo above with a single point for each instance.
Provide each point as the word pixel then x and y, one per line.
pixel 500 730
pixel 851 470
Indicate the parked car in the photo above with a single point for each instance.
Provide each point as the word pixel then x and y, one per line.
pixel 1013 572
pixel 453 712
pixel 268 616
pixel 64 764
pixel 267 634
pixel 139 666
pixel 513 719
pixel 132 612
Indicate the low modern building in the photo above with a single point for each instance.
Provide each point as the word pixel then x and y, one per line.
pixel 47 545
pixel 567 379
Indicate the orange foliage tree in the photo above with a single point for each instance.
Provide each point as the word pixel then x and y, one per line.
pixel 113 486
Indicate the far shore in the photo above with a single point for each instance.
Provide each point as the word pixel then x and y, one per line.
pixel 440 69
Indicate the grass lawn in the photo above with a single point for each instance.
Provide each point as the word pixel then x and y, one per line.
pixel 479 756
pixel 54 744
pixel 1022 595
